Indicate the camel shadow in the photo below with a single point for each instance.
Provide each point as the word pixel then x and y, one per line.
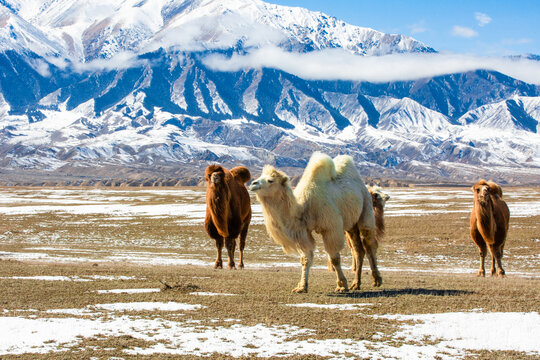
pixel 399 292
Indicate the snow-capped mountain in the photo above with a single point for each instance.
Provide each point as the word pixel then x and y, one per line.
pixel 19 35
pixel 516 112
pixel 120 88
pixel 94 29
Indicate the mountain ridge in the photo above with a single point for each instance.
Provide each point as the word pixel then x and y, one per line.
pixel 169 113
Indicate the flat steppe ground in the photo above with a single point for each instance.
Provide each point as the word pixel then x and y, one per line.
pixel 128 273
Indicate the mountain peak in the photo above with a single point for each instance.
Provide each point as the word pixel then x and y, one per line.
pixel 87 30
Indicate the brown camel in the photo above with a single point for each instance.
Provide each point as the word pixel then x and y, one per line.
pixel 489 224
pixel 379 199
pixel 228 210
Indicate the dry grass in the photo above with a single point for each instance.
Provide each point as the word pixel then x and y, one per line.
pixel 425 251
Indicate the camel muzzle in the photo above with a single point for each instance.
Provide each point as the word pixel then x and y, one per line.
pixel 216 179
pixel 255 186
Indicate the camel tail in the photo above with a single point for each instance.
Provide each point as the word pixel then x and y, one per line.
pixel 241 173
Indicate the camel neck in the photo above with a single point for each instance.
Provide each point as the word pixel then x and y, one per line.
pixel 284 221
pixel 484 214
pixel 284 206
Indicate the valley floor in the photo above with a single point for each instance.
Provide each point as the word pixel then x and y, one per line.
pixel 83 274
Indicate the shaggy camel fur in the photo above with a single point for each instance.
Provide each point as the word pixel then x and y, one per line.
pixel 228 210
pixel 330 198
pixel 489 224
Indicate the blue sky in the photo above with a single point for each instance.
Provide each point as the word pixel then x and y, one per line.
pixel 479 27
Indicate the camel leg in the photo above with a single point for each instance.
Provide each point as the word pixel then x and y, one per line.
pixel 482 270
pixel 370 246
pixel 493 252
pixel 230 243
pixel 307 260
pixel 482 249
pixel 498 258
pixel 242 244
pixel 354 263
pixel 329 263
pixel 358 252
pixel 493 266
pixel 341 279
pixel 219 246
pixel 333 244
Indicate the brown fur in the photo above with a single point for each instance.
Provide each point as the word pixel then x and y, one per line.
pixel 379 200
pixel 489 224
pixel 228 210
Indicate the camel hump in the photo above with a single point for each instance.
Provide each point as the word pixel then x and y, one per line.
pixel 343 164
pixel 495 188
pixel 241 173
pixel 319 168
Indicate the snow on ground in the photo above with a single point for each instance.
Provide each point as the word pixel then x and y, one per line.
pixel 127 291
pixel 69 278
pixel 475 330
pixel 190 207
pixel 174 259
pixel 202 293
pixel 47 278
pixel 403 201
pixel 147 306
pixel 127 257
pixel 331 306
pixel 451 335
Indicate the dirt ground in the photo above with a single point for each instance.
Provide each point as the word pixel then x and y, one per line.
pixel 67 255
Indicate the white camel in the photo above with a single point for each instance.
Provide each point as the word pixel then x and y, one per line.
pixel 329 199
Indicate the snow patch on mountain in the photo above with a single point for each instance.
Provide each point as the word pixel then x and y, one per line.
pixel 514 113
pixel 19 35
pixel 408 116
pixel 4 107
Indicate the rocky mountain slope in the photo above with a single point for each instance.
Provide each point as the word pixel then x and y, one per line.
pixel 121 89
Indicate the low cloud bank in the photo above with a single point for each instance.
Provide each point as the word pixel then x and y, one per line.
pixel 337 64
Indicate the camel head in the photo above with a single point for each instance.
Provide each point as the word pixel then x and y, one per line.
pixel 482 191
pixel 215 175
pixel 378 195
pixel 270 181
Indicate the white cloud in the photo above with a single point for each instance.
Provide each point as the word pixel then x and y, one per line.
pixel 215 32
pixel 483 19
pixel 119 61
pixel 40 66
pixel 517 41
pixel 418 28
pixel 336 64
pixel 463 31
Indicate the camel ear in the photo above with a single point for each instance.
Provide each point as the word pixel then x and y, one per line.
pixel 284 180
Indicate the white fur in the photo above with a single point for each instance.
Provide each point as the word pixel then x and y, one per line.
pixel 330 198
